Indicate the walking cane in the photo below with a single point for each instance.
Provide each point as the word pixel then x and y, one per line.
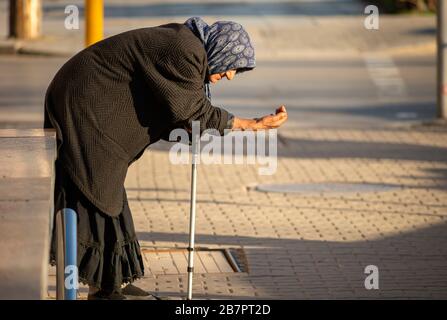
pixel 192 211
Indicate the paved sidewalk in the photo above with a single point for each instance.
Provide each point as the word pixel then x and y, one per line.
pixel 308 245
pixel 304 246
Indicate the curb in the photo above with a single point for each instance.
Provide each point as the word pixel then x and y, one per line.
pixel 43 53
pixel 9 46
pixel 39 48
pixel 20 47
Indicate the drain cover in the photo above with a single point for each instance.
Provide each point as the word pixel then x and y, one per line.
pixel 328 187
pixel 175 261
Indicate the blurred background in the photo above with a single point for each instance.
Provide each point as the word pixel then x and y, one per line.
pixel 316 56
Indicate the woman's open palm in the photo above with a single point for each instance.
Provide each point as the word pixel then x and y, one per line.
pixel 274 121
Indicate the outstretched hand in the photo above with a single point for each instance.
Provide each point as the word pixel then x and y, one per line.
pixel 273 121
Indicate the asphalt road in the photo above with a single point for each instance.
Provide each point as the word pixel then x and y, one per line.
pixel 359 91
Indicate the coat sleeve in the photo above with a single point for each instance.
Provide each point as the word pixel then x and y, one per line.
pixel 177 82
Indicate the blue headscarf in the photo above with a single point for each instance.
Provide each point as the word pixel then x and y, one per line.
pixel 227 46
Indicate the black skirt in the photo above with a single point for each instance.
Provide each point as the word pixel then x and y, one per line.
pixel 108 250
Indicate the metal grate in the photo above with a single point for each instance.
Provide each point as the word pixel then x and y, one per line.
pixel 175 261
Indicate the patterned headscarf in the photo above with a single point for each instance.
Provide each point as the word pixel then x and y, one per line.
pixel 227 45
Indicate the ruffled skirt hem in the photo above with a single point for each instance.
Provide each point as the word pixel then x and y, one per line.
pixel 126 263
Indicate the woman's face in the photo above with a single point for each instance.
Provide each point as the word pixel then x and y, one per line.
pixel 213 78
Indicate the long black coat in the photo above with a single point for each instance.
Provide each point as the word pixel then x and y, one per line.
pixel 113 99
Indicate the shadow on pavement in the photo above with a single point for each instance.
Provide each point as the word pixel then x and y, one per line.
pixel 388 112
pixel 325 149
pixel 411 264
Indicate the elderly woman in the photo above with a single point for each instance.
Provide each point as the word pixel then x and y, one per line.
pixel 112 100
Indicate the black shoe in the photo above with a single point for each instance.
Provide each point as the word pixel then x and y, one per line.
pixel 106 295
pixel 133 292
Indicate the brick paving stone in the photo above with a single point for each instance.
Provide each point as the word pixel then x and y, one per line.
pixel 304 245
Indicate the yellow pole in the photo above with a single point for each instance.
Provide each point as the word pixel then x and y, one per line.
pixel 94 20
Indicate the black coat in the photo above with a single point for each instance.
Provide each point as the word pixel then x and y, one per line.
pixel 114 98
